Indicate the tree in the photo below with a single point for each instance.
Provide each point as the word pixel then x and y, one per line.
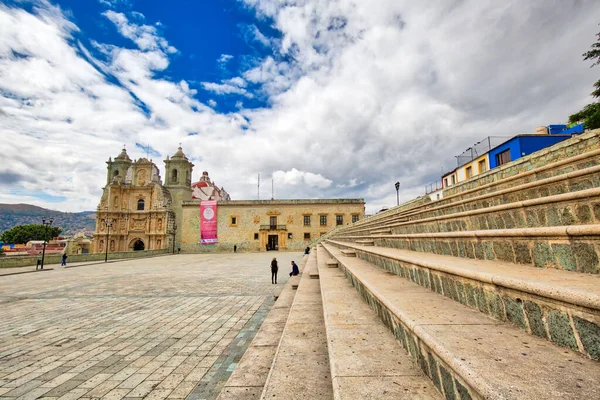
pixel 590 114
pixel 25 233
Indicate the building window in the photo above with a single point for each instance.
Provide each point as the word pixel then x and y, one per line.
pixel 273 222
pixel 481 166
pixel 307 235
pixel 445 182
pixel 339 220
pixel 140 205
pixel 289 235
pixel 469 172
pixel 503 158
pixel 453 177
pixel 323 220
pixel 174 176
pixel 233 221
pixel 307 220
pixel 256 236
pixel 354 218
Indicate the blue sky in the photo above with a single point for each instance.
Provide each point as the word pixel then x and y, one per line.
pixel 202 32
pixel 327 99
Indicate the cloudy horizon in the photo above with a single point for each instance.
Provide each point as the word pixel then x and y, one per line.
pixel 329 99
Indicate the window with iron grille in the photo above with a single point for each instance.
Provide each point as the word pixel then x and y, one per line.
pixel 339 220
pixel 307 220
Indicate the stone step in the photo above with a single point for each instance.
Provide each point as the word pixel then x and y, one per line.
pixel 366 360
pixel 570 248
pixel 331 263
pixel 568 175
pixel 574 208
pixel 366 242
pixel 560 306
pixel 349 253
pixel 314 275
pixel 467 354
pixel 250 375
pixel 300 369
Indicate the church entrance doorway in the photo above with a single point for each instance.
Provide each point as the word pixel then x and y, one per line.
pixel 138 245
pixel 273 242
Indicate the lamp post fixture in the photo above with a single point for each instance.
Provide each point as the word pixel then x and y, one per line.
pixel 46 224
pixel 174 233
pixel 397 193
pixel 108 222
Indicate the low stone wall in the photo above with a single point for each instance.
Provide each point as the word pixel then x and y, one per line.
pixel 242 247
pixel 11 262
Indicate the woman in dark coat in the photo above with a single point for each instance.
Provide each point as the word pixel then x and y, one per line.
pixel 274 268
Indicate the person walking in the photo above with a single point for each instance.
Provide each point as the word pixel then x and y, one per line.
pixel 64 260
pixel 235 248
pixel 274 269
pixel 295 269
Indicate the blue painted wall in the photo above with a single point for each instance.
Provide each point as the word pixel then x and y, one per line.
pixel 515 151
pixel 523 145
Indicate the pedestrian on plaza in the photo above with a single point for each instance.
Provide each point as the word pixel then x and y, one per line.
pixel 274 269
pixel 64 260
pixel 235 248
pixel 307 250
pixel 295 269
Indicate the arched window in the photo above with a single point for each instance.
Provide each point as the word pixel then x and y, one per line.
pixel 140 205
pixel 116 173
pixel 174 176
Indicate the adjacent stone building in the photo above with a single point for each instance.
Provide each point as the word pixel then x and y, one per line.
pixel 138 212
pixel 260 225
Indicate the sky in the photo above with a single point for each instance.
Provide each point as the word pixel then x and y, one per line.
pixel 322 98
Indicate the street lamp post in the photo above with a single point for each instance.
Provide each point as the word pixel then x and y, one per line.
pixel 397 193
pixel 46 225
pixel 108 222
pixel 174 233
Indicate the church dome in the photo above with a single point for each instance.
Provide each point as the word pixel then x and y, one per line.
pixel 179 155
pixel 123 156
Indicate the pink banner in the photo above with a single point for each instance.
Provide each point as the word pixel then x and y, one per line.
pixel 208 222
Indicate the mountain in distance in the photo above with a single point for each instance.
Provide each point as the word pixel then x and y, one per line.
pixel 12 215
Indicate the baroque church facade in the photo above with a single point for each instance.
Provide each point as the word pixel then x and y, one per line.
pixel 138 212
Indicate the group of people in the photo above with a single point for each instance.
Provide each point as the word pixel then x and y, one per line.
pixel 275 269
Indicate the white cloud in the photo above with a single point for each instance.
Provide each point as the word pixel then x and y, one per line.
pixel 116 3
pixel 225 58
pixel 253 34
pixel 144 36
pixel 212 103
pixel 294 177
pixel 361 94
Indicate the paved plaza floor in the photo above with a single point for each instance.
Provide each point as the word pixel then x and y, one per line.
pixel 170 327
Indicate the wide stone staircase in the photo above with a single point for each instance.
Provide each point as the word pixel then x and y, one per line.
pixel 492 292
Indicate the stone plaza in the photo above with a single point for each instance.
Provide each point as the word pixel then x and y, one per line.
pixel 168 327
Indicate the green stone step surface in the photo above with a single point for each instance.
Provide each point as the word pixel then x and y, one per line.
pixel 560 306
pixel 466 353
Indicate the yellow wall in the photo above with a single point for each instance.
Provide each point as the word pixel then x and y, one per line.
pixel 250 215
pixel 461 172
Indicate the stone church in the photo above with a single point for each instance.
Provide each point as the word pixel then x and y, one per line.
pixel 138 212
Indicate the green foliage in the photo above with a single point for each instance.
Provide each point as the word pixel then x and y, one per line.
pixel 590 114
pixel 25 233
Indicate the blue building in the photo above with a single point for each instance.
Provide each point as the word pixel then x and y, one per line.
pixel 522 145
